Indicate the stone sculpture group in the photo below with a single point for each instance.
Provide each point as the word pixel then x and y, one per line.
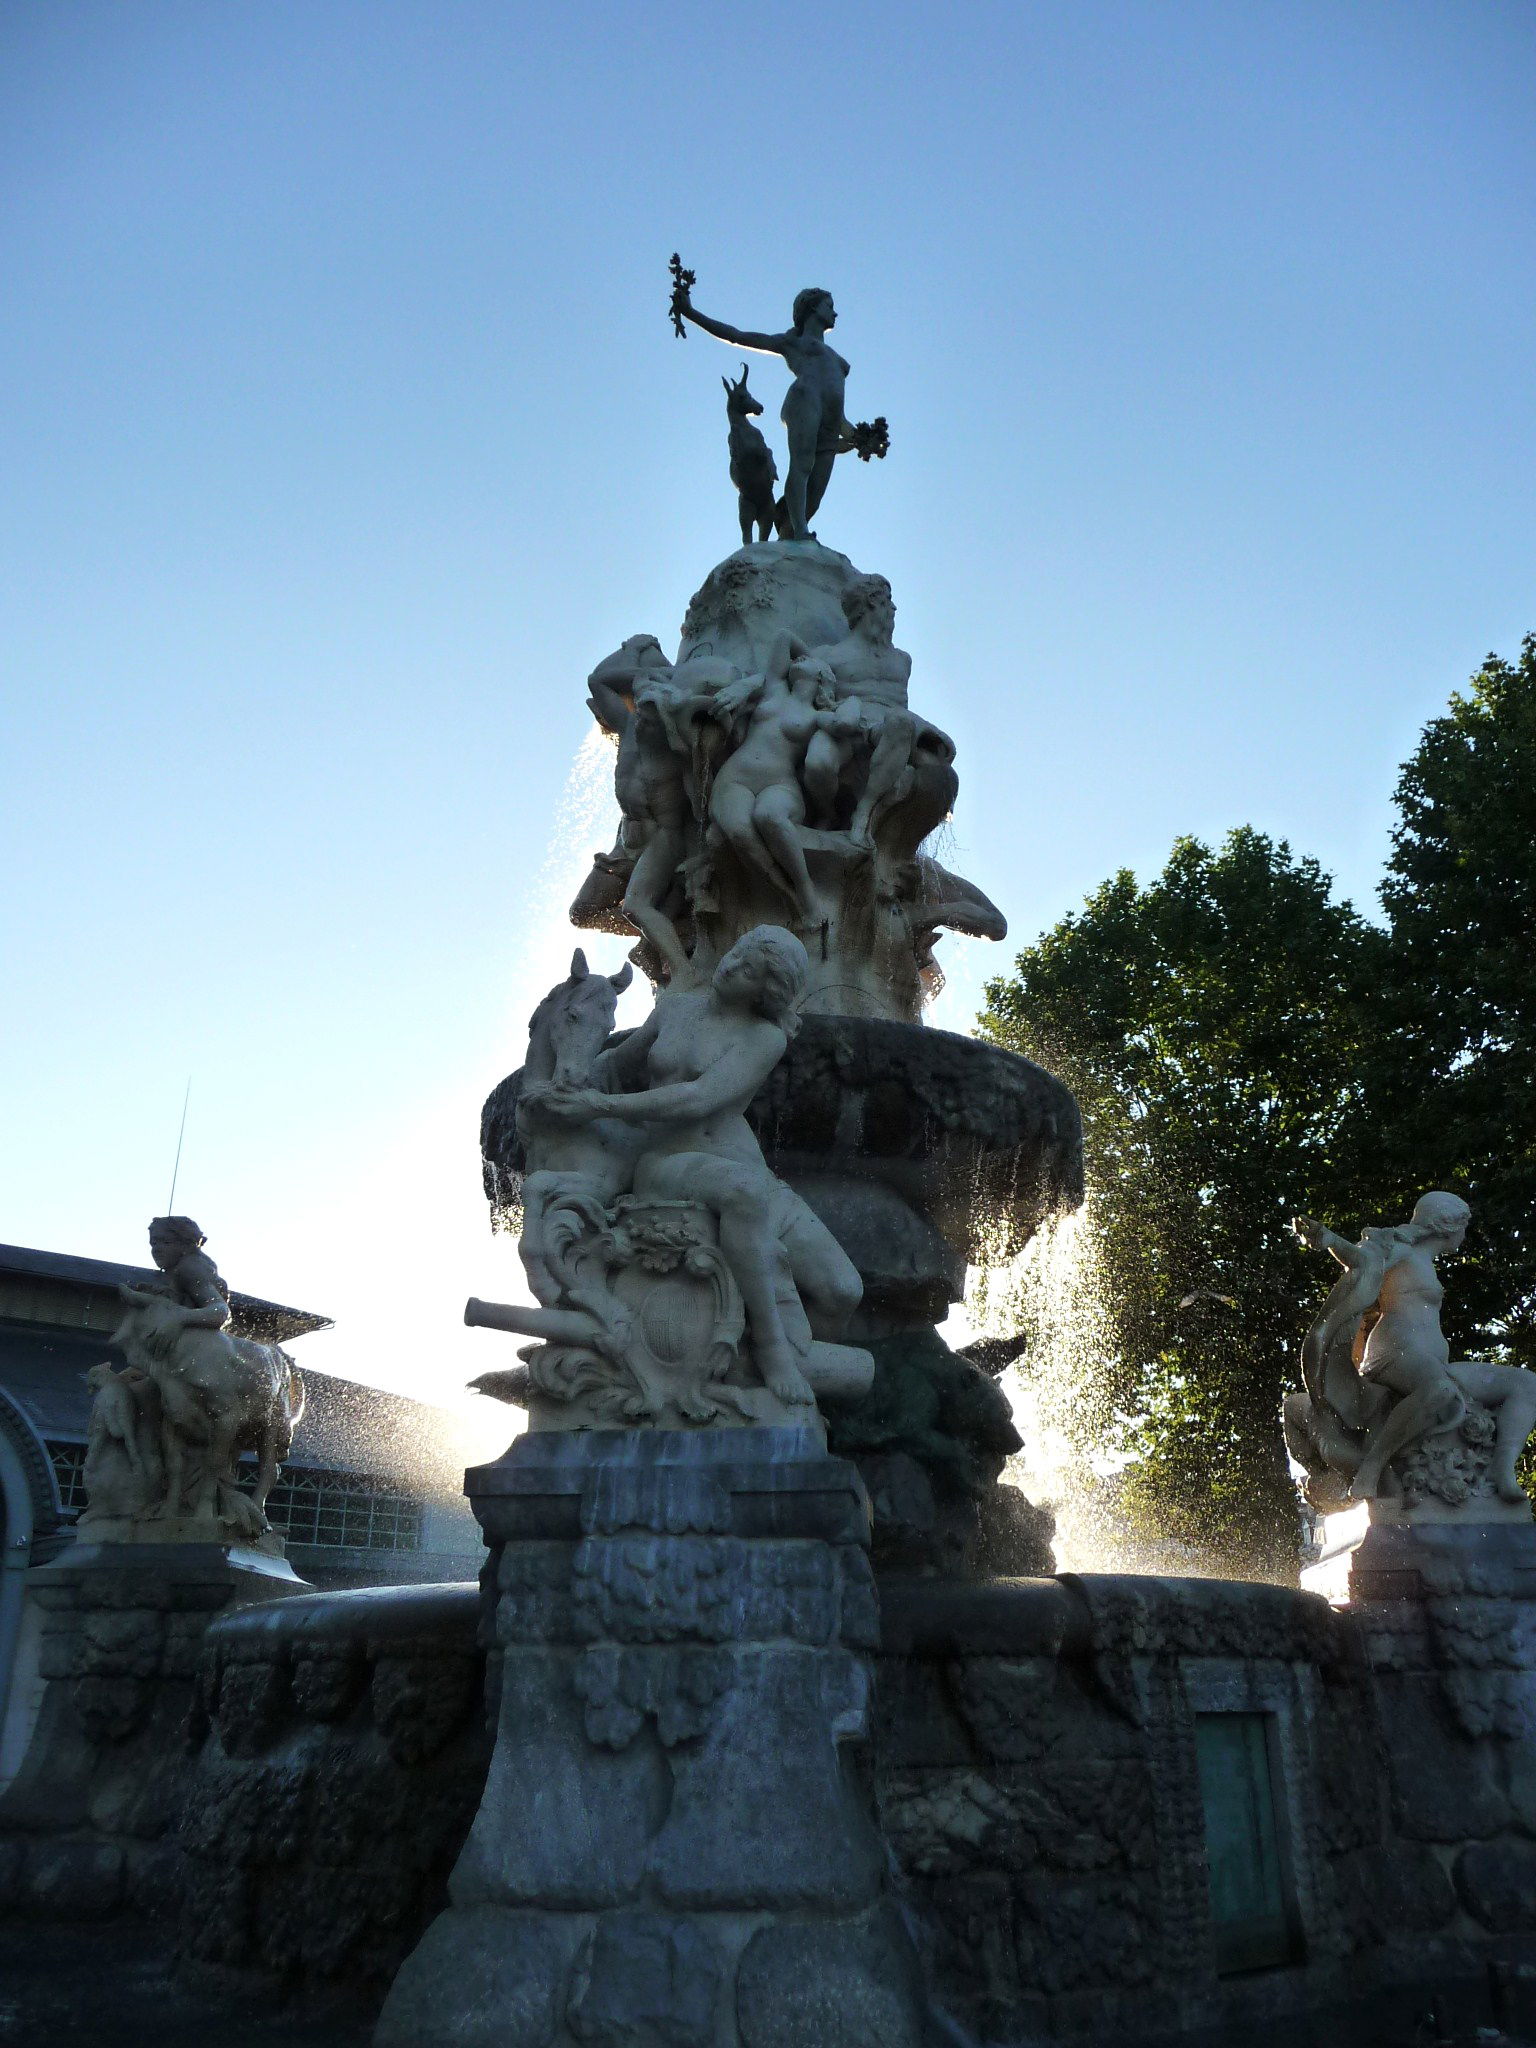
pixel 679 1280
pixel 774 774
pixel 167 1431
pixel 1386 1413
pixel 817 427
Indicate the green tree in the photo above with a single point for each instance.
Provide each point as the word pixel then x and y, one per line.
pixel 1218 1028
pixel 1459 1108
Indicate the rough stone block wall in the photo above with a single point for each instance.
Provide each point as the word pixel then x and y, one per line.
pixel 1456 1687
pixel 87 1828
pixel 1034 1766
pixel 341 1762
pixel 1039 1786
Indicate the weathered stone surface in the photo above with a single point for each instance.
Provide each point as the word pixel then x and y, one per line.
pixel 828 1986
pixel 1445 1787
pixel 1099 1932
pixel 915 1720
pixel 977 1943
pixel 764 590
pixel 12 1872
pixel 75 1879
pixel 482 1978
pixel 104 1772
pixel 1000 1699
pixel 1049 1844
pixel 1392 1889
pixel 646 1981
pixel 1497 1883
pixel 420 1700
pixel 253 1702
pixel 763 1814
pixel 320 1846
pixel 533 1840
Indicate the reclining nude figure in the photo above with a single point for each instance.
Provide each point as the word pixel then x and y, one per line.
pixel 757 800
pixel 1407 1386
pixel 685 1079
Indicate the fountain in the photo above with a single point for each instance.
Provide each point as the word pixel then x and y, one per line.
pixel 741 1224
pixel 768 1724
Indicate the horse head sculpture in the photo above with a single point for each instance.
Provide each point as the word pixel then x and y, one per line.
pixel 569 1028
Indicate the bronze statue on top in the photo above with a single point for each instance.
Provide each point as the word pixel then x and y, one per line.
pixel 818 429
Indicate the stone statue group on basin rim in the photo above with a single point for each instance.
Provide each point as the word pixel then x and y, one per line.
pixel 166 1433
pixel 679 1281
pixel 1386 1413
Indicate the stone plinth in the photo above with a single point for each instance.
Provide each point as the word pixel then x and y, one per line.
pixel 1380 1550
pixel 90 1813
pixel 761 591
pixel 670 1847
pixel 264 1554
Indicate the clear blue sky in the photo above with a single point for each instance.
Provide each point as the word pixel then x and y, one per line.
pixel 344 430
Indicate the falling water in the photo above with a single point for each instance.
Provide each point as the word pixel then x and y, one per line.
pixel 1057 1292
pixel 586 822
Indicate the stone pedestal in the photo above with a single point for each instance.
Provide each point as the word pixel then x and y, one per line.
pixel 671 1849
pixel 84 1826
pixel 1379 1550
pixel 1446 1614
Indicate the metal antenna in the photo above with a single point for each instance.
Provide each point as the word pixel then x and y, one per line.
pixel 176 1169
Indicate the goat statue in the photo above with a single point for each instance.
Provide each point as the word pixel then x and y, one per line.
pixel 753 469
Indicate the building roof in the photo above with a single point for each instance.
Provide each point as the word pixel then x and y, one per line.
pixel 250 1314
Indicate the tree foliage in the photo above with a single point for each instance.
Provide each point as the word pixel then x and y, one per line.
pixel 1214 1027
pixel 1460 1094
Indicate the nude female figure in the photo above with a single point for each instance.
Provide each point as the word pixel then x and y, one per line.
pixel 812 411
pixel 1406 1352
pixel 757 800
pixel 693 1068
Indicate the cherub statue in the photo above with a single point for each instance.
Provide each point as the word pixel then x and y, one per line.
pixel 176 1246
pixel 812 412
pixel 165 1435
pixel 1367 1404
